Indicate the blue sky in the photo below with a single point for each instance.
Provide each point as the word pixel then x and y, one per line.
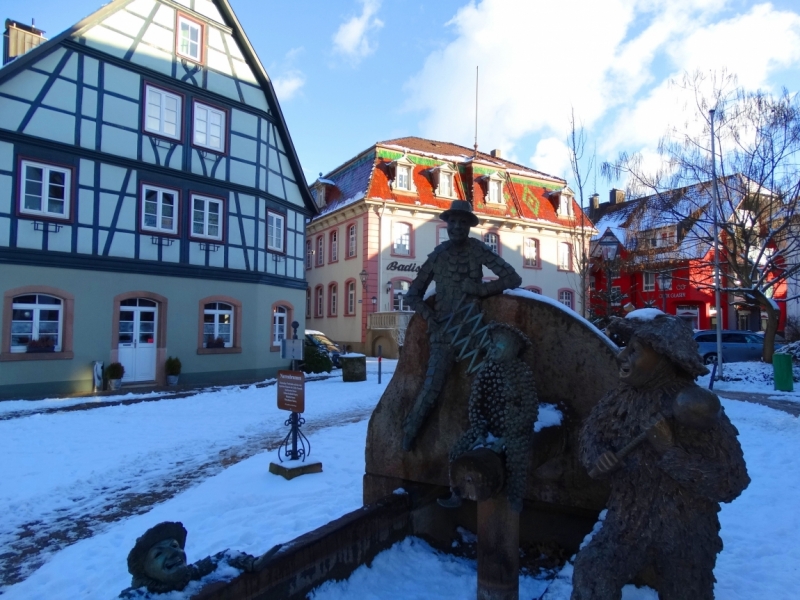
pixel 350 73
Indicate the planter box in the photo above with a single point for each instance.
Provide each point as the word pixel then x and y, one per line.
pixel 40 350
pixel 354 367
pixel 172 379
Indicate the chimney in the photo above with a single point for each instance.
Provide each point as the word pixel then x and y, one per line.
pixel 496 153
pixel 616 196
pixel 19 38
pixel 594 201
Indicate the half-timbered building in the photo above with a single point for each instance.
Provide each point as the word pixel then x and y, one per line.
pixel 151 202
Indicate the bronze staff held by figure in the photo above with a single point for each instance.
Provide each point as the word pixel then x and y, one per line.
pixel 456 267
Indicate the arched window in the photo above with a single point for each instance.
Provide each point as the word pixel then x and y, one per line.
pixel 319 301
pixel 309 254
pixel 564 256
pixel 441 235
pixel 217 325
pixel 352 240
pixel 334 246
pixel 401 239
pixel 320 251
pixel 351 297
pixel 493 241
pixel 36 323
pixel 332 300
pixel 530 253
pixel 279 321
pixel 399 290
pixel 308 303
pixel 567 298
pixel 534 289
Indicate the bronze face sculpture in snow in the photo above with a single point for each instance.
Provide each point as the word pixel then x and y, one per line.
pixel 456 267
pixel 502 411
pixel 671 455
pixel 157 561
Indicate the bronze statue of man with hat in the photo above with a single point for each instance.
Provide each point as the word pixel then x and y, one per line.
pixel 456 267
pixel 670 455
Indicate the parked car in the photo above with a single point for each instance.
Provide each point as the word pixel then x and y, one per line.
pixel 320 340
pixel 737 346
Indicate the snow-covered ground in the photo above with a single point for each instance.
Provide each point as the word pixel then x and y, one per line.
pixel 79 487
pixel 753 377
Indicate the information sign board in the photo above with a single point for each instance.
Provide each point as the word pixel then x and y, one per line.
pixel 292 391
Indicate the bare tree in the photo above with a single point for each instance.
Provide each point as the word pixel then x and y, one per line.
pixel 757 189
pixel 582 229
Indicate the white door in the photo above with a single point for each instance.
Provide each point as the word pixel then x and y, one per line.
pixel 137 339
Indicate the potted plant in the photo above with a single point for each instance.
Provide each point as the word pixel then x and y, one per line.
pixel 172 367
pixel 114 373
pixel 43 344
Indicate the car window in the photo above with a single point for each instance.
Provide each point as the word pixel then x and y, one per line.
pixel 706 337
pixel 754 339
pixel 733 338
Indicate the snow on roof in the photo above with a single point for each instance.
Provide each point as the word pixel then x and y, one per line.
pixel 326 181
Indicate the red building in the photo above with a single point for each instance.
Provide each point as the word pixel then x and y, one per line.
pixel 647 256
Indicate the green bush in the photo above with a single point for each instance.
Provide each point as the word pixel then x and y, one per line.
pixel 316 360
pixel 115 371
pixel 172 366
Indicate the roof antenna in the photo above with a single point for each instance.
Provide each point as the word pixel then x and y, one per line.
pixel 476 112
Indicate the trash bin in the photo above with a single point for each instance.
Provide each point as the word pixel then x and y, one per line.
pixel 354 366
pixel 782 370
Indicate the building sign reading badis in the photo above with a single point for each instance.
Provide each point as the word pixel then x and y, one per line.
pixel 396 266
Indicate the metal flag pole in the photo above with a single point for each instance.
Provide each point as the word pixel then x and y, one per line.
pixel 716 249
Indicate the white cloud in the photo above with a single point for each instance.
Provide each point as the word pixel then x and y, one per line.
pixel 352 38
pixel 286 86
pixel 552 157
pixel 609 60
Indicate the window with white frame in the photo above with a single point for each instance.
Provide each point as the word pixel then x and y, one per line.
pixel 493 241
pixel 275 223
pixel 334 245
pixel 159 209
pixel 565 205
pixel 592 283
pixel 616 295
pixel 190 39
pixel 399 291
pixel 530 252
pixel 320 251
pixel 352 240
pixel 534 289
pixel 665 281
pixel 45 190
pixel 401 239
pixel 445 187
pixel 351 297
pixel 207 217
pixel 36 323
pixel 564 256
pixel 441 235
pixel 308 303
pixel 649 282
pixel 309 254
pixel 319 302
pixel 566 297
pixel 217 325
pixel 280 316
pixel 494 190
pixel 163 112
pixel 402 179
pixel 209 127
pixel 332 300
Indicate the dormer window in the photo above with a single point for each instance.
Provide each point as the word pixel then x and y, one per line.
pixel 444 181
pixel 565 205
pixel 404 174
pixel 494 189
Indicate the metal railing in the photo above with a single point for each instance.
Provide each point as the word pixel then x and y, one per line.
pixel 389 320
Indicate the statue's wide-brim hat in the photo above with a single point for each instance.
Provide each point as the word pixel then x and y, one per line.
pixel 460 207
pixel 167 530
pixel 666 334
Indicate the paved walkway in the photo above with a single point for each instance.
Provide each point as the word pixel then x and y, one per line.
pixel 793 408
